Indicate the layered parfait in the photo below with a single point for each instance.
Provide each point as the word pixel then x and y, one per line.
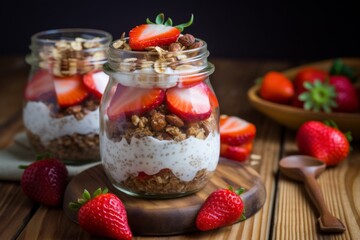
pixel 159 114
pixel 62 97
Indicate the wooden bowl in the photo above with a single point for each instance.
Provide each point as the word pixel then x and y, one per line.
pixel 293 117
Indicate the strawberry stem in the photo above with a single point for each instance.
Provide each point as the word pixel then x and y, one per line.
pixel 86 196
pixel 160 18
pixel 319 96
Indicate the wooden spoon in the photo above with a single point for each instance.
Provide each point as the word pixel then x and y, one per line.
pixel 306 169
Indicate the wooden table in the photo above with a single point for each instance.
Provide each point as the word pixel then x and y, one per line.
pixel 286 214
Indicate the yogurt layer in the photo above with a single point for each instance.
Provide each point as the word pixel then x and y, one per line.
pixel 37 120
pixel 150 155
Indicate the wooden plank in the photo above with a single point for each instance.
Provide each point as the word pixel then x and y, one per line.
pixel 51 223
pixel 15 210
pixel 296 217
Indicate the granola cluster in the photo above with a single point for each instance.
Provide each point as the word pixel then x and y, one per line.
pixel 160 124
pixel 67 58
pixel 79 111
pixel 77 147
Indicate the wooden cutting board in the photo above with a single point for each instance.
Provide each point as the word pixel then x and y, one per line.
pixel 171 216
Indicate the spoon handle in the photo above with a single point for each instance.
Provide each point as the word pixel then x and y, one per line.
pixel 327 221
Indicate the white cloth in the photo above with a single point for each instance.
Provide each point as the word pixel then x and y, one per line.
pixel 20 153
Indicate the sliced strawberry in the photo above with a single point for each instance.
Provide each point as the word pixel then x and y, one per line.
pixel 147 35
pixel 40 86
pixel 132 100
pixel 235 131
pixel 96 82
pixel 70 90
pixel 189 81
pixel 191 104
pixel 237 153
pixel 213 99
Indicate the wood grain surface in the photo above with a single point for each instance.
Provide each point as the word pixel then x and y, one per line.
pixel 286 213
pixel 171 216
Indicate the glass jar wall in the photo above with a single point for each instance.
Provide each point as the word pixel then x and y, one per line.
pixel 159 135
pixel 62 96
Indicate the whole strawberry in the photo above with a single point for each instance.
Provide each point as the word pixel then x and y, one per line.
pixel 44 181
pixel 276 87
pixel 103 215
pixel 324 142
pixel 223 207
pixel 306 75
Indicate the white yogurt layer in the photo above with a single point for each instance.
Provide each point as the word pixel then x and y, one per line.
pixel 150 155
pixel 37 120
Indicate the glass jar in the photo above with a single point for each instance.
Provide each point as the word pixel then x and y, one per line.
pixel 159 121
pixel 62 96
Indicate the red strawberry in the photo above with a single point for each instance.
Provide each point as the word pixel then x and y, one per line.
pixel 276 87
pixel 189 81
pixel 132 100
pixel 44 181
pixel 147 35
pixel 70 90
pixel 40 86
pixel 191 104
pixel 235 131
pixel 323 142
pixel 346 97
pixel 222 207
pixel 103 215
pixel 307 74
pixel 237 153
pixel 96 82
pixel 160 33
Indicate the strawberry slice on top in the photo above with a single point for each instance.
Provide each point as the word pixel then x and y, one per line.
pixel 147 35
pixel 70 90
pixel 235 131
pixel 131 100
pixel 191 104
pixel 158 33
pixel 96 82
pixel 40 86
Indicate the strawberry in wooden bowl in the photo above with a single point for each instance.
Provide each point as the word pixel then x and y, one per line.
pixel 322 91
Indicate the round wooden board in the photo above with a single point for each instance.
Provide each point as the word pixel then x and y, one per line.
pixel 171 216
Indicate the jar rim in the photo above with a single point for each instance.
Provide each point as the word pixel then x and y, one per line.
pixel 137 52
pixel 58 34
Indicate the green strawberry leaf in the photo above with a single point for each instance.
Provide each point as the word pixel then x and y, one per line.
pixel 339 68
pixel 187 24
pixel 168 22
pixel 160 18
pixel 86 196
pixel 319 96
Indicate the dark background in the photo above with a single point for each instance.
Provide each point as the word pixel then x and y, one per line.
pixel 237 29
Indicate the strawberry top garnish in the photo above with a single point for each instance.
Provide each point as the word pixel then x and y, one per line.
pixel 160 33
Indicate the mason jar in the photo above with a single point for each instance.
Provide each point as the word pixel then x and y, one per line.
pixel 62 96
pixel 159 121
